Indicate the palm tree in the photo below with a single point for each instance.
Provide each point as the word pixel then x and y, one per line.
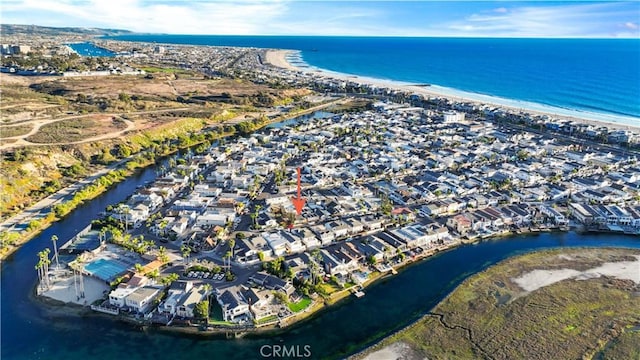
pixel 186 251
pixel 232 244
pixel 103 233
pixel 162 254
pixel 254 217
pixel 43 264
pixel 228 257
pixel 54 239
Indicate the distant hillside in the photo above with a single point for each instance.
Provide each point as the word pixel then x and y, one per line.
pixel 11 29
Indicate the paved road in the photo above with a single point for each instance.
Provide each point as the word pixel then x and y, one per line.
pixel 43 207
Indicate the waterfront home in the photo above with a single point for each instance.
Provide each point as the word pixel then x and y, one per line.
pixel 272 282
pixel 234 307
pixel 118 295
pixel 187 303
pixel 176 292
pixel 142 299
pixel 412 236
pixel 370 247
pixel 583 213
pixel 552 213
pixel 460 223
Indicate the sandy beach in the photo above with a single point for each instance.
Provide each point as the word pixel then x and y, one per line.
pixel 278 58
pixel 628 270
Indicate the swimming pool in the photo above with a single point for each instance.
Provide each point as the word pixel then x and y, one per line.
pixel 105 269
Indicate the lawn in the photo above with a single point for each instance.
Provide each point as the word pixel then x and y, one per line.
pixel 266 320
pixel 300 305
pixel 329 288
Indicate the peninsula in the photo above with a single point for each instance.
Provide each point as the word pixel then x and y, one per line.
pixel 390 174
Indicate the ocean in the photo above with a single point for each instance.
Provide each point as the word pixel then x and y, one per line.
pixel 591 78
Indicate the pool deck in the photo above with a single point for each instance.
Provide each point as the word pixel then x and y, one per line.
pixel 63 289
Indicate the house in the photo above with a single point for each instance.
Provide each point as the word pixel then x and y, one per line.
pixel 187 303
pixel 234 307
pixel 293 243
pixel 118 295
pixel 583 213
pixel 372 223
pixel 175 293
pixel 338 227
pixel 355 226
pixel 215 219
pixel 142 299
pixel 552 213
pixel 272 282
pixel 412 235
pixel 460 223
pixel 276 242
pixel 308 238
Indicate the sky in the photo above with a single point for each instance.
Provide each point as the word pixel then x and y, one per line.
pixel 568 19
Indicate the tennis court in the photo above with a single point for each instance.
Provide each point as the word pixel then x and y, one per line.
pixel 105 269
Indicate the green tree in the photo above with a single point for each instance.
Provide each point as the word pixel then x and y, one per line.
pixel 201 310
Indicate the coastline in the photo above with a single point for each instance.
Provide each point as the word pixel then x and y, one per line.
pixel 387 348
pixel 278 58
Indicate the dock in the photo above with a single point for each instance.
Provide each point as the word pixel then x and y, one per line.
pixel 359 293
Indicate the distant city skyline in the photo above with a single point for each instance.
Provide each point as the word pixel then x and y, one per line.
pixel 548 19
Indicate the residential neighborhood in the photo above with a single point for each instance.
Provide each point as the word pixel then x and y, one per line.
pixel 216 242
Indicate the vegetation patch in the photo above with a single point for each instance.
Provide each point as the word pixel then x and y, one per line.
pixel 76 129
pixel 300 305
pixel 11 131
pixel 575 318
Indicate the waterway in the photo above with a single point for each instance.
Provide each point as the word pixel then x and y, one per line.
pixel 31 330
pixel 89 49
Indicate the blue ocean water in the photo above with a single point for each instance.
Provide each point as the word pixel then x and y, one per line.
pixel 88 49
pixel 589 75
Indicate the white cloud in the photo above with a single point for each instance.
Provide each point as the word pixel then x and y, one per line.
pixel 176 17
pixel 631 26
pixel 501 10
pixel 575 20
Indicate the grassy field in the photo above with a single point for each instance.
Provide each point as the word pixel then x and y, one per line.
pixel 490 316
pixel 300 305
pixel 10 131
pixel 76 129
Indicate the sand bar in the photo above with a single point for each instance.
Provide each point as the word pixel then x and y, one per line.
pixel 278 58
pixel 629 270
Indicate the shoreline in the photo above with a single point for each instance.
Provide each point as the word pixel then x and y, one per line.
pixel 382 348
pixel 316 308
pixel 278 58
